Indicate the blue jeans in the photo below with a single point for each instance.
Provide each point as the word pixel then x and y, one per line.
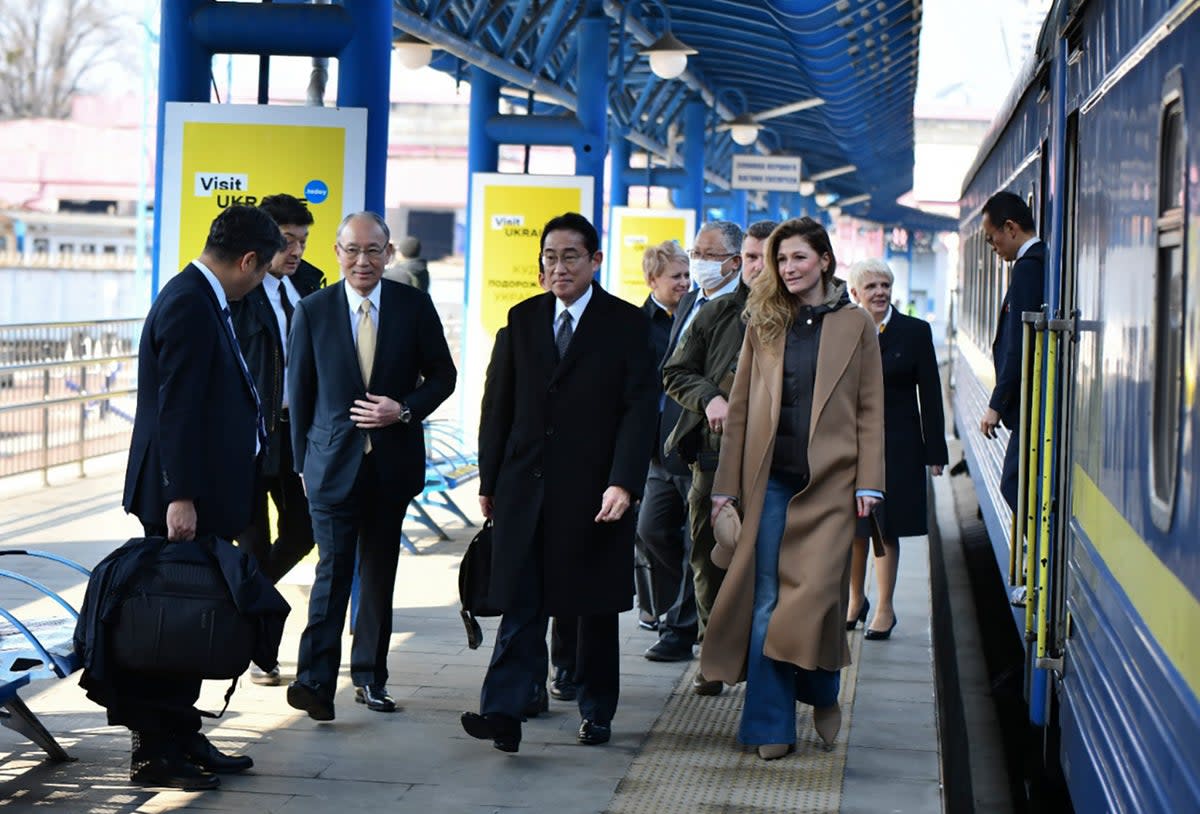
pixel 774 687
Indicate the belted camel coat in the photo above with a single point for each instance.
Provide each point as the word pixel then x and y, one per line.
pixel 845 453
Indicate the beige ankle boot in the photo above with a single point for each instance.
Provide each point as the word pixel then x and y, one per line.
pixel 774 751
pixel 827 721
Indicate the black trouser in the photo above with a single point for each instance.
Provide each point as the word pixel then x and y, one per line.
pixel 295 538
pixel 518 658
pixel 663 530
pixel 161 707
pixel 368 523
pixel 564 643
pixel 1008 474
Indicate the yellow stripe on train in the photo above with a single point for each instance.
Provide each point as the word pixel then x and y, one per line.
pixel 1165 604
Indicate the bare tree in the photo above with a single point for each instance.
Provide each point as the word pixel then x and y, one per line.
pixel 47 48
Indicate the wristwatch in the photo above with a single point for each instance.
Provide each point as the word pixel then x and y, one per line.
pixel 405 413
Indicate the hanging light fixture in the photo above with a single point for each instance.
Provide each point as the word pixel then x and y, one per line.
pixel 668 56
pixel 835 212
pixel 743 129
pixel 413 52
pixel 824 199
pixel 807 188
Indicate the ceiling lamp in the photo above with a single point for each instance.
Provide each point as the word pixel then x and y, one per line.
pixel 835 212
pixel 742 128
pixel 824 199
pixel 807 188
pixel 669 57
pixel 413 52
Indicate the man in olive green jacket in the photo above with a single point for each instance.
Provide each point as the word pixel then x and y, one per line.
pixel 699 375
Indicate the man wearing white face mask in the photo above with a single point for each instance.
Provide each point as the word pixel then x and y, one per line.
pixel 714 262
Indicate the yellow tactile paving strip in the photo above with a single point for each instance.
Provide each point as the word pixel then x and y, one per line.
pixel 692 761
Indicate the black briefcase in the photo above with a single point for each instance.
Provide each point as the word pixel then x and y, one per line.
pixel 177 617
pixel 474 577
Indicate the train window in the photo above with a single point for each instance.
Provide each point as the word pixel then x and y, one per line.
pixel 1168 325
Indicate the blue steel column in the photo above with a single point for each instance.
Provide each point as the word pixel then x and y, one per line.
pixel 592 110
pixel 618 190
pixel 364 79
pixel 183 68
pixel 740 209
pixel 695 113
pixel 483 152
pixel 775 206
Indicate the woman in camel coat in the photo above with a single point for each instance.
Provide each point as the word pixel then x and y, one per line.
pixel 802 455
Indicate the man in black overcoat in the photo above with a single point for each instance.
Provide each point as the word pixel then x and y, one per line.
pixel 564 444
pixel 1009 228
pixel 197 435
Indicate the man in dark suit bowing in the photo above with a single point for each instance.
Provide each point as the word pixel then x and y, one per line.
pixel 196 435
pixel 367 362
pixel 563 451
pixel 1009 229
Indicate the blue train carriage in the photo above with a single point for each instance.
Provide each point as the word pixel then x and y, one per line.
pixel 1105 569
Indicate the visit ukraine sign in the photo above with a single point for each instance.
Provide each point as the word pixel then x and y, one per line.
pixel 217 156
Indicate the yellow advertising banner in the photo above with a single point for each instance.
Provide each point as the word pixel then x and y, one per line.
pixel 510 211
pixel 217 156
pixel 631 231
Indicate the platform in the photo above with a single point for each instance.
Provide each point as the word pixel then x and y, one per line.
pixel 672 751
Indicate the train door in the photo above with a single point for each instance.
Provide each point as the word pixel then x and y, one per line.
pixel 1065 325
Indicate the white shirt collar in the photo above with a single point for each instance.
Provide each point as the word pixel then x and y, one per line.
pixel 576 308
pixel 1025 246
pixel 271 283
pixel 887 318
pixel 222 300
pixel 665 309
pixel 355 299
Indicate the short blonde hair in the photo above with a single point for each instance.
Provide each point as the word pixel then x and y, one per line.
pixel 871 267
pixel 657 259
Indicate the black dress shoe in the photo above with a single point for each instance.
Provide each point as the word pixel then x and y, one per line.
pixel 199 750
pixel 174 773
pixel 862 615
pixel 592 733
pixel 503 731
pixel 562 687
pixel 669 650
pixel 879 635
pixel 539 703
pixel 376 698
pixel 310 699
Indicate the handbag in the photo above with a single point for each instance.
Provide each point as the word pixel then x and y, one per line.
pixel 474 579
pixel 177 617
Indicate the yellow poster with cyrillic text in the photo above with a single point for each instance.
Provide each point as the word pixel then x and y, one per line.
pixel 631 232
pixel 217 156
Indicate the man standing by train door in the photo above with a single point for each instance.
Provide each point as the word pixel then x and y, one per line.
pixel 1009 229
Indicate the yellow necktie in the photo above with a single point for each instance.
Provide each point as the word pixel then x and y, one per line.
pixel 366 350
pixel 882 327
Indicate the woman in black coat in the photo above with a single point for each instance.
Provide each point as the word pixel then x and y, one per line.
pixel 914 437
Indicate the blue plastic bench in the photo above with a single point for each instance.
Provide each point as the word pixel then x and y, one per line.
pixel 447 466
pixel 35 649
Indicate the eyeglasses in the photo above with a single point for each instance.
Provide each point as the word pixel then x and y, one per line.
pixel 709 256
pixel 568 259
pixel 352 252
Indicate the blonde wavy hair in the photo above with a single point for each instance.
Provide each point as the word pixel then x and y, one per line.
pixel 771 308
pixel 657 259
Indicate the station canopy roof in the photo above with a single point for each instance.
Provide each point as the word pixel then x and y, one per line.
pixel 831 81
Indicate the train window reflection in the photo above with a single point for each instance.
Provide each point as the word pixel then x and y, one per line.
pixel 1168 328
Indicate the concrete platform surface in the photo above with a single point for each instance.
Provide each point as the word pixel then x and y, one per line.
pixel 419 760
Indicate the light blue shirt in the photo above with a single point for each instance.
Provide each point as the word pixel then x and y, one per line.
pixel 271 287
pixel 728 288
